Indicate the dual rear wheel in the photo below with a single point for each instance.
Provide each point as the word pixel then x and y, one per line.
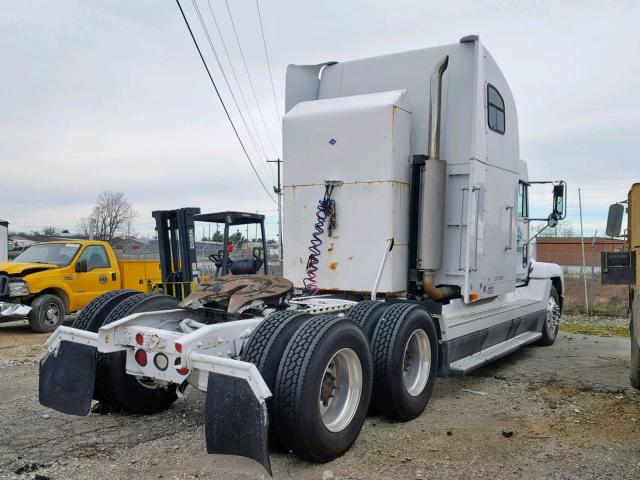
pixel 324 371
pixel 114 387
pixel 330 368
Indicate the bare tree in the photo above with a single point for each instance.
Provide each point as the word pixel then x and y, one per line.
pixel 49 231
pixel 563 229
pixel 112 215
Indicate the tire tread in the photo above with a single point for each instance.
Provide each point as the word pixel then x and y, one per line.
pixel 384 337
pixel 290 385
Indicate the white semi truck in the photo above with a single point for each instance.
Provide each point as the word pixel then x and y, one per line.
pixel 406 235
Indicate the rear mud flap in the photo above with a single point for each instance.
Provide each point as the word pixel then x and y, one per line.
pixel 67 379
pixel 236 422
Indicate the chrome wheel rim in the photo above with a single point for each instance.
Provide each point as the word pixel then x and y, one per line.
pixel 340 390
pixel 416 363
pixel 51 315
pixel 553 315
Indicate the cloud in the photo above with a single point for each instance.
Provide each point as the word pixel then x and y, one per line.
pixel 113 96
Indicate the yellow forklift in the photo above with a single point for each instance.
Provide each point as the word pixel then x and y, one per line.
pixel 177 248
pixel 622 268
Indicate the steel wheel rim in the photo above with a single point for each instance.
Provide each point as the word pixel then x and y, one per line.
pixel 340 390
pixel 51 315
pixel 553 315
pixel 416 363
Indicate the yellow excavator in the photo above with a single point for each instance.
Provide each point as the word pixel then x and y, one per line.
pixel 623 268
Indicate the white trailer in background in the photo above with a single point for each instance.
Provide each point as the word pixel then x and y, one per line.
pixel 4 241
pixel 406 233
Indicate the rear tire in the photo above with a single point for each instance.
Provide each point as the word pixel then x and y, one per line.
pixel 551 321
pixel 265 349
pixel 269 340
pixel 94 314
pixel 114 386
pixel 405 359
pixel 47 313
pixel 367 314
pixel 323 388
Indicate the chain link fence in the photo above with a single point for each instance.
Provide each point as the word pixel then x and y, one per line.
pixel 585 292
pixel 206 266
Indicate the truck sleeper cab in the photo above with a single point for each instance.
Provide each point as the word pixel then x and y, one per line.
pixel 406 236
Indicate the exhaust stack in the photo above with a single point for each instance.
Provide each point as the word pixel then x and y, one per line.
pixel 433 175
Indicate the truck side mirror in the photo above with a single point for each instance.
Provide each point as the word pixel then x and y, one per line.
pixel 552 220
pixel 558 200
pixel 81 266
pixel 614 219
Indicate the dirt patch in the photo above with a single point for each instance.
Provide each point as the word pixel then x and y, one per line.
pixel 18 334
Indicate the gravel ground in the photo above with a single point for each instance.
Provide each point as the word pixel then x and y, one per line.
pixel 561 412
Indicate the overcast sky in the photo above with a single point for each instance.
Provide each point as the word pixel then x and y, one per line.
pixel 112 96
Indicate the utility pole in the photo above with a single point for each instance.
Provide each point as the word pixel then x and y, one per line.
pixel 584 272
pixel 278 191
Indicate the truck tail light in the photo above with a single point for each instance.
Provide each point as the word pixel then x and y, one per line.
pixel 180 370
pixel 139 338
pixel 161 361
pixel 178 347
pixel 141 357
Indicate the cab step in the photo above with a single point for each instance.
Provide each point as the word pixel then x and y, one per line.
pixel 477 360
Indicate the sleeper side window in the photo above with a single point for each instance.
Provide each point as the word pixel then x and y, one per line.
pixel 495 110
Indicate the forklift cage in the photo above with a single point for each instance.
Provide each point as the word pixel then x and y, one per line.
pixel 232 219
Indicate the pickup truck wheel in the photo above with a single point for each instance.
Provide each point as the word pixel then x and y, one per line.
pixel 47 313
pixel 323 388
pixel 114 386
pixel 551 321
pixel 367 314
pixel 93 315
pixel 265 349
pixel 405 360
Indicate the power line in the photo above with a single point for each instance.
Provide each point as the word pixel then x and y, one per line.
pixel 266 54
pixel 261 151
pixel 224 107
pixel 233 71
pixel 237 82
pixel 246 68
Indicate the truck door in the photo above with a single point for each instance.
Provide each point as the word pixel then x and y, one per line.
pixel 97 279
pixel 490 257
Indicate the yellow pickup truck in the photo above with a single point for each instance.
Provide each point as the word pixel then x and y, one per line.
pixel 52 279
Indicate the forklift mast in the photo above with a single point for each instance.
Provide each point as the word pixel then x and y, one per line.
pixel 177 246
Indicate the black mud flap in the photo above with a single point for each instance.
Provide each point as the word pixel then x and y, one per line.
pixel 236 423
pixel 67 380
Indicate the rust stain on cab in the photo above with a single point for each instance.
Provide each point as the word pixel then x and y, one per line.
pixel 333 266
